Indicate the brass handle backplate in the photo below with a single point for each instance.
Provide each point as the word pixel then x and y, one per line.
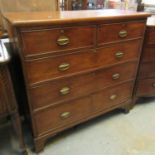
pixel 65 91
pixel 123 33
pixel 64 66
pixel 153 85
pixel 65 115
pixel 119 55
pixel 116 76
pixel 63 40
pixel 113 97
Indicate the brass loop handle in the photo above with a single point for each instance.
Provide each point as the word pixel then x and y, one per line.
pixel 65 115
pixel 65 91
pixel 116 76
pixel 119 55
pixel 63 40
pixel 113 97
pixel 153 85
pixel 64 66
pixel 123 33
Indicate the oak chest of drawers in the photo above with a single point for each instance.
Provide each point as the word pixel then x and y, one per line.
pixel 77 65
pixel 146 77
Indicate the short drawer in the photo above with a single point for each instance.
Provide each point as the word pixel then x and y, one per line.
pixel 117 32
pixel 147 70
pixel 112 96
pixel 146 87
pixel 43 41
pixel 78 86
pixel 40 70
pixel 148 53
pixel 62 115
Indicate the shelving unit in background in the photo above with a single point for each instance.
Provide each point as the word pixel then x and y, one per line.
pixel 68 4
pixel 71 4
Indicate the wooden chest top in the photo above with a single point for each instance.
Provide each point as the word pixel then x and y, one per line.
pixel 61 17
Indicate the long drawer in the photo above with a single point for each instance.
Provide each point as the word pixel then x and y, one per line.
pixel 78 86
pixel 112 96
pixel 146 87
pixel 119 32
pixel 40 70
pixel 70 112
pixel 36 42
pixel 62 115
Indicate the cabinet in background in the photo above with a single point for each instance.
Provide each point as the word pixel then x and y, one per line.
pixel 146 77
pixel 8 104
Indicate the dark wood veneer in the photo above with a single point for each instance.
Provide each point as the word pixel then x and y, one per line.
pixel 148 54
pixel 81 108
pixel 147 70
pixel 103 78
pixel 110 32
pixel 45 40
pixel 146 87
pixel 40 70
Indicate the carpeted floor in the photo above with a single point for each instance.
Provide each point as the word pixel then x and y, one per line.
pixel 115 133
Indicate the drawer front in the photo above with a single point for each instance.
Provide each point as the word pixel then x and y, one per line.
pixel 58 39
pixel 150 35
pixel 118 32
pixel 148 54
pixel 78 86
pixel 147 70
pixel 62 115
pixel 112 96
pixel 49 68
pixel 146 87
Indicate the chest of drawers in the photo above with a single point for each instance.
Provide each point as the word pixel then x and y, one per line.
pixel 77 65
pixel 146 77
